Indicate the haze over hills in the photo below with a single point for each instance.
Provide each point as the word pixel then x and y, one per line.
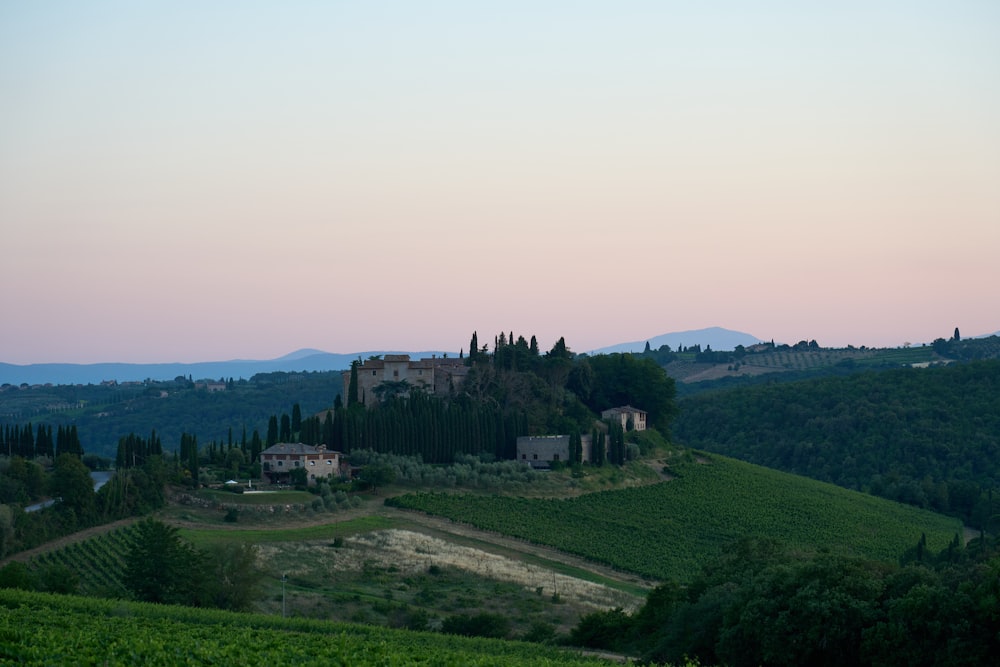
pixel 309 359
pixel 715 337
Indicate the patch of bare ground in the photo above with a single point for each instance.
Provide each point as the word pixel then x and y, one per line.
pixel 659 466
pixel 509 546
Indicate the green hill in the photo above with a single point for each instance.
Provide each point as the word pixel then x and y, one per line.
pixel 925 436
pixel 667 530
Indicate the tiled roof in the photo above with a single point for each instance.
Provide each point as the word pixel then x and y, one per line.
pixel 297 448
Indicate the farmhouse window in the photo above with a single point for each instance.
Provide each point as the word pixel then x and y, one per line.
pixel 329 462
pixel 395 374
pixel 555 457
pixel 534 456
pixel 312 463
pixel 298 463
pixel 281 463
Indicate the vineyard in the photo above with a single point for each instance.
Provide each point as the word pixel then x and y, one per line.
pixel 98 562
pixel 44 629
pixel 665 531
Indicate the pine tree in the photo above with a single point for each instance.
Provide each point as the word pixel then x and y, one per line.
pixel 296 418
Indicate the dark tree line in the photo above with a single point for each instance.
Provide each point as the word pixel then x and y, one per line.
pixel 759 603
pixel 432 427
pixel 24 441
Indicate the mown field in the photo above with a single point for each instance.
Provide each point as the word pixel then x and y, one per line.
pixel 44 629
pixel 667 530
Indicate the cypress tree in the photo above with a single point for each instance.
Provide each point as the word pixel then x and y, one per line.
pixel 272 430
pixel 352 387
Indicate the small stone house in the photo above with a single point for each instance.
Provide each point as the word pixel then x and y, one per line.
pixel 625 414
pixel 540 451
pixel 278 461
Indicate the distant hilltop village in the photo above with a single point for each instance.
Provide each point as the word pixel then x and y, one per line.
pixel 437 375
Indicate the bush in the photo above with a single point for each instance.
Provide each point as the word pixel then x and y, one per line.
pixel 480 625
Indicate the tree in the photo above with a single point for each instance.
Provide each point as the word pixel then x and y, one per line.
pixel 285 433
pixel 233 578
pixel 71 483
pixel 272 430
pixel 161 567
pixel 473 348
pixel 296 418
pixel 378 474
pixel 352 387
pixel 956 337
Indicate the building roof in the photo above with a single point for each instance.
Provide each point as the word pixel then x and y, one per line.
pixel 622 410
pixel 297 448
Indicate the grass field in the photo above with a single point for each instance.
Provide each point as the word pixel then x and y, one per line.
pixel 668 530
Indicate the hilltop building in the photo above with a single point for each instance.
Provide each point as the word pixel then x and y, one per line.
pixel 437 375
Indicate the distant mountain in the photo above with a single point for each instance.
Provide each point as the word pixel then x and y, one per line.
pixel 715 337
pixel 306 359
pixel 301 360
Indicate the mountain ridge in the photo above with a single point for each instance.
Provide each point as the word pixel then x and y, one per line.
pixel 311 359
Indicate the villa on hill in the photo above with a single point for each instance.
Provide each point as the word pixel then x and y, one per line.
pixel 437 375
pixel 626 414
pixel 279 460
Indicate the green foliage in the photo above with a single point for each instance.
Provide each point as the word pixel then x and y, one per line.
pixel 668 530
pixel 72 485
pixel 97 416
pixel 161 567
pixel 38 629
pixel 484 624
pixel 926 437
pixel 602 629
pixel 626 379
pixel 760 603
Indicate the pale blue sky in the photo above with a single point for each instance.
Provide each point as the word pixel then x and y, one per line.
pixel 238 179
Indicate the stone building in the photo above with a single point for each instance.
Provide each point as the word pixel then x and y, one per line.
pixel 627 413
pixel 540 451
pixel 279 460
pixel 437 375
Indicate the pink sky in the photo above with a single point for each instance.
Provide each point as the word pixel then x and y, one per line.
pixel 182 183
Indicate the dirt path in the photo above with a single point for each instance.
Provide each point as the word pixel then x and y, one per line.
pixel 418 521
pixel 509 546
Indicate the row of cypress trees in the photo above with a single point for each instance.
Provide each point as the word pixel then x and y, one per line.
pixel 22 440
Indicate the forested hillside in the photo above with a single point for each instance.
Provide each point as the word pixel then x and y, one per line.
pixel 929 437
pixel 103 414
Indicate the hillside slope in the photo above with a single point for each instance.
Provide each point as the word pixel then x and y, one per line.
pixel 667 530
pixel 928 437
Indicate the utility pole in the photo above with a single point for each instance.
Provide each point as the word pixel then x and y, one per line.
pixel 284 578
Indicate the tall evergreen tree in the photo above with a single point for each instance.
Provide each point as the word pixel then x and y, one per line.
pixel 352 387
pixel 272 430
pixel 285 433
pixel 296 418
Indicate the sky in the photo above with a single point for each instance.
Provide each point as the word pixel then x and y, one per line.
pixel 191 181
